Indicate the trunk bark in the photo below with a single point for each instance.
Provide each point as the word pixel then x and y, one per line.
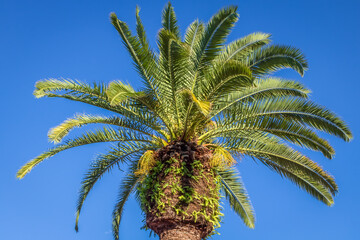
pixel 180 194
pixel 180 232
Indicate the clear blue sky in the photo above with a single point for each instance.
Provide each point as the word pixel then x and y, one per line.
pixel 74 39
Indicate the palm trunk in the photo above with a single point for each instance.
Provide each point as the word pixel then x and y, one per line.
pixel 180 194
pixel 180 232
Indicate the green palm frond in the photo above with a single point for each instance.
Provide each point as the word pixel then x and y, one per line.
pixel 143 58
pixel 272 152
pixel 45 87
pixel 93 95
pixel 289 131
pixel 174 71
pixel 57 133
pixel 262 88
pixel 242 47
pixel 221 82
pixel 216 31
pixel 127 186
pixel 294 109
pixel 192 36
pixel 141 34
pixel 104 163
pixel 105 135
pixel 169 21
pixel 236 194
pixel 273 58
pixel 314 188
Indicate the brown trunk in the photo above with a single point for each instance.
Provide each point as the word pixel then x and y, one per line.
pixel 180 232
pixel 180 194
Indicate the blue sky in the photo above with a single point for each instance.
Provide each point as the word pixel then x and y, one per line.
pixel 74 39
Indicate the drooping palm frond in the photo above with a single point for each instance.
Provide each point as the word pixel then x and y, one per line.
pixel 219 83
pixel 127 186
pixel 57 133
pixel 289 131
pixel 294 109
pixel 45 87
pixel 261 88
pixel 105 135
pixel 286 161
pixel 273 58
pixel 236 194
pixel 241 48
pixel 96 96
pixel 118 92
pixel 103 164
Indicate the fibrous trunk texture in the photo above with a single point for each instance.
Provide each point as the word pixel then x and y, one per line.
pixel 180 232
pixel 180 194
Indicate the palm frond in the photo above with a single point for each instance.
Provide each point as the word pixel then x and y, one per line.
pixel 216 31
pixel 269 59
pixel 230 78
pixel 104 135
pixel 96 96
pixel 192 36
pixel 236 194
pixel 169 21
pixel 270 151
pixel 261 88
pixel 44 87
pixel 57 133
pixel 118 92
pixel 287 130
pixel 304 181
pixel 104 163
pixel 141 34
pixel 127 186
pixel 143 58
pixel 298 110
pixel 243 47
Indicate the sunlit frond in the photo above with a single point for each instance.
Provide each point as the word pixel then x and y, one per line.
pixel 221 158
pixel 118 92
pixel 104 135
pixel 57 133
pixel 146 162
pixel 141 34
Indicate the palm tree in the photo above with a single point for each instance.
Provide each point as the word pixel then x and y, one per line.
pixel 203 106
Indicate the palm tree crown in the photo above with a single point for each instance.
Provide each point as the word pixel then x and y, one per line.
pixel 200 90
